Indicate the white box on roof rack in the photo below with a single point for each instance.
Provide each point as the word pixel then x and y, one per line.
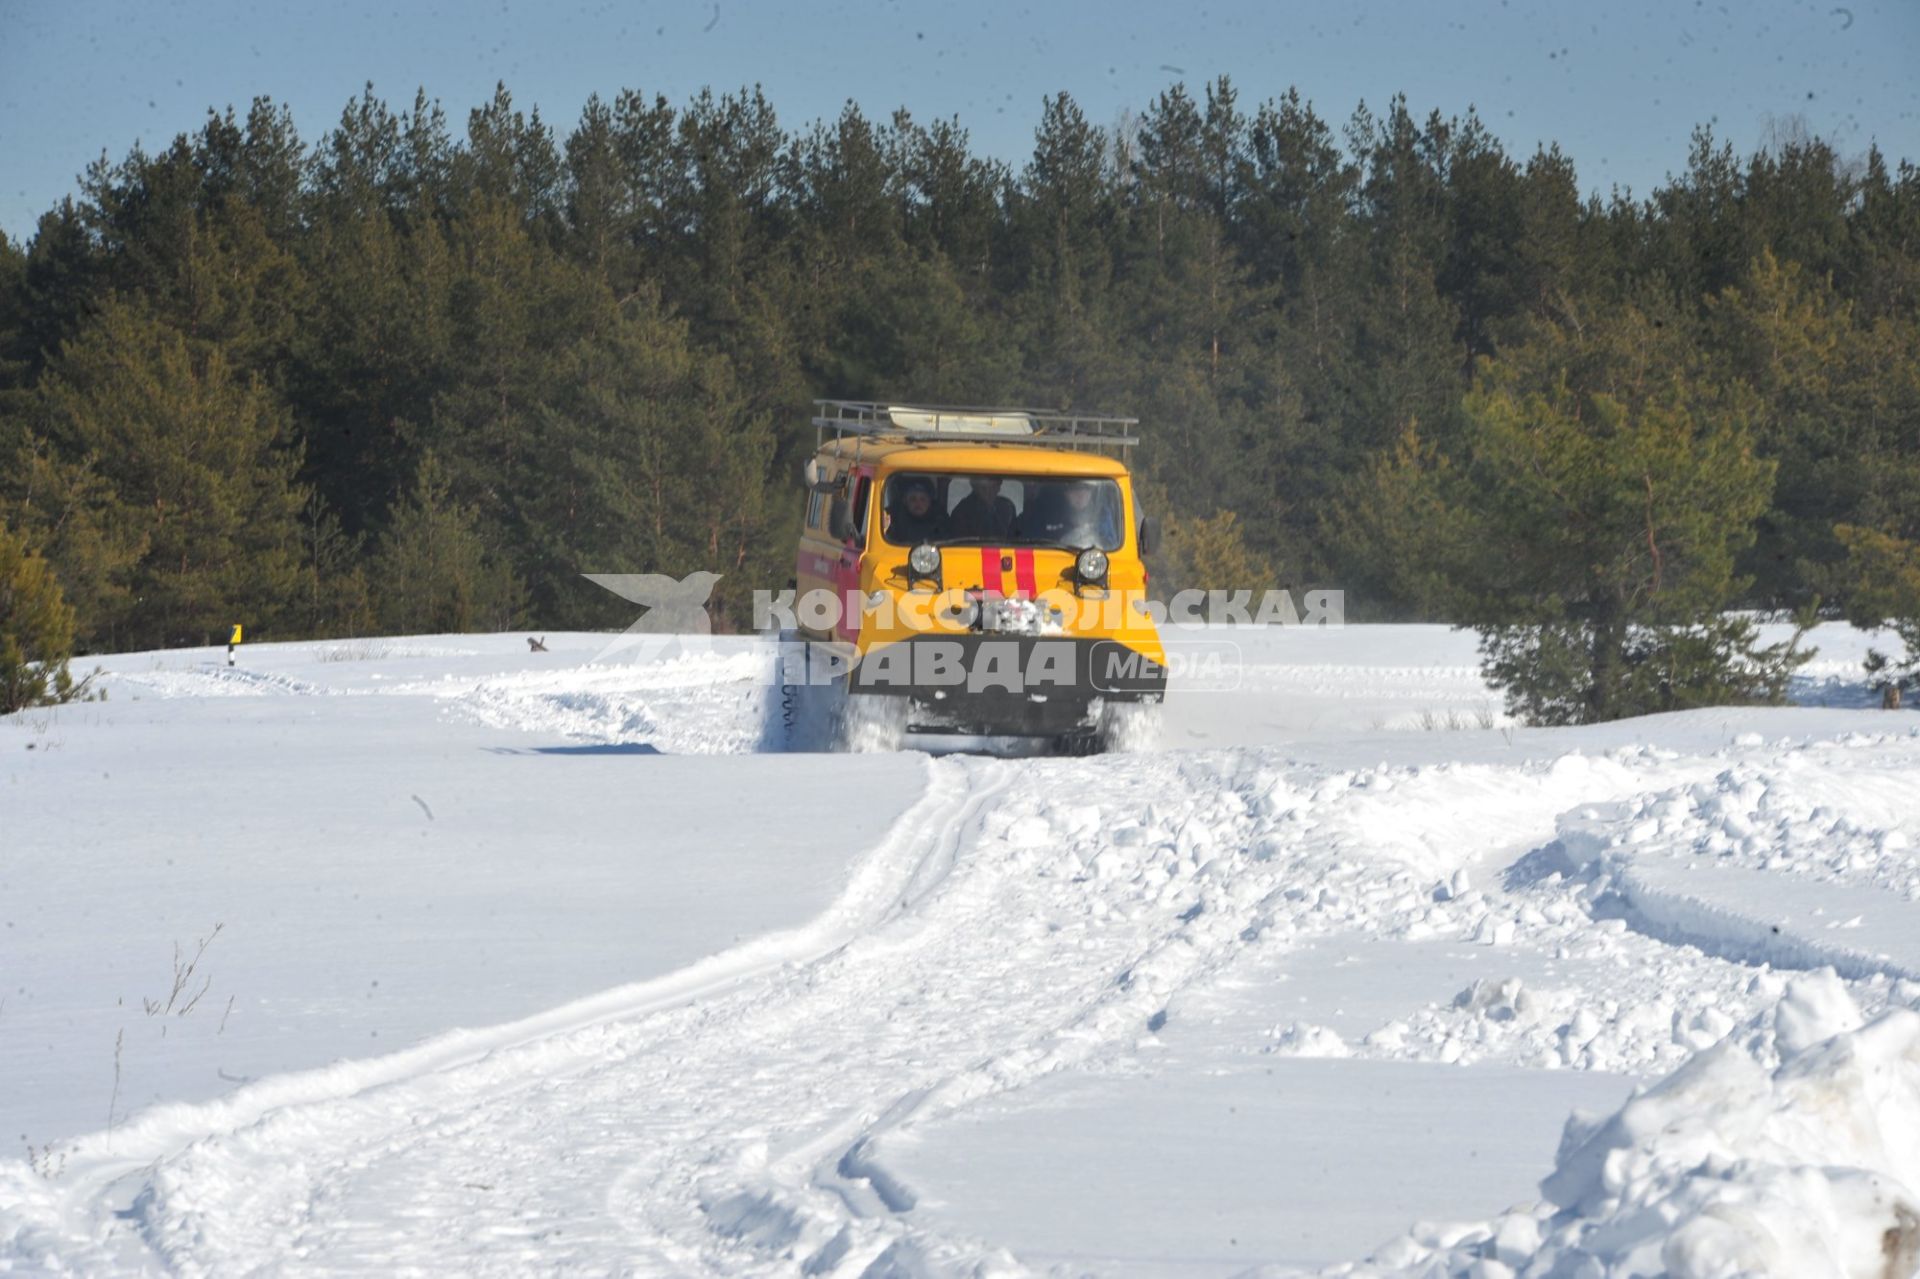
pixel 950 423
pixel 941 422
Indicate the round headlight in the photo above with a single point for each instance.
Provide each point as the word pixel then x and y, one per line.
pixel 924 560
pixel 1092 565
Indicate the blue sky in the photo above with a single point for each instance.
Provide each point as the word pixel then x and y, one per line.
pixel 1619 87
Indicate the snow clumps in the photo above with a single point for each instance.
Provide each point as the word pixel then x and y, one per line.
pixel 1792 1149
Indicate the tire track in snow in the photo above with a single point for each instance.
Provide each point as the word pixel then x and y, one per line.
pixel 1664 911
pixel 1700 866
pixel 1671 911
pixel 682 1099
pixel 73 1214
pixel 592 1097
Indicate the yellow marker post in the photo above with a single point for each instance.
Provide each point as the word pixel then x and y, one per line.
pixel 233 642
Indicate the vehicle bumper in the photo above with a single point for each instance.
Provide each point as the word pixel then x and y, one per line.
pixel 1014 685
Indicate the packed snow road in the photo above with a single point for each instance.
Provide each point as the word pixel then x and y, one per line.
pixel 1339 960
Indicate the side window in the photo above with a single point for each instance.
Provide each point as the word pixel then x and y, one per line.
pixel 813 510
pixel 860 496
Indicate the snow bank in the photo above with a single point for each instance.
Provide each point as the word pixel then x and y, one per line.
pixel 1804 860
pixel 1732 1165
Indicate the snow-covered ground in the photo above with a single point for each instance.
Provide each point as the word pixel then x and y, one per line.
pixel 437 955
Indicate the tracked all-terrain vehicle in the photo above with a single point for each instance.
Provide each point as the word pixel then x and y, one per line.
pixel 979 571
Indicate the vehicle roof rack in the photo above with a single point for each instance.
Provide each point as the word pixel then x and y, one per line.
pixel 947 423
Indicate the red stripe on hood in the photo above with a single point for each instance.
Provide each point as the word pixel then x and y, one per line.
pixel 990 569
pixel 1023 573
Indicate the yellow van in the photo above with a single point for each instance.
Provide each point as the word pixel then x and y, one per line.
pixel 980 571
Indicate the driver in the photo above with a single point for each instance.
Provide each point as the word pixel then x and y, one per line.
pixel 1073 518
pixel 982 514
pixel 912 517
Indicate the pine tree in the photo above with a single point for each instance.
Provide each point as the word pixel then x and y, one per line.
pixel 36 628
pixel 1703 235
pixel 1064 219
pixel 94 541
pixel 334 597
pixel 196 457
pixel 652 173
pixel 1295 229
pixel 16 356
pixel 1603 492
pixel 1797 192
pixel 848 195
pixel 599 217
pixel 951 199
pixel 1838 405
pixel 511 158
pixel 1403 526
pixel 56 292
pixel 655 463
pixel 187 230
pixel 516 309
pixel 728 207
pixel 1210 554
pixel 1884 254
pixel 432 572
pixel 1885 579
pixel 1194 317
pixel 1405 366
pixel 366 367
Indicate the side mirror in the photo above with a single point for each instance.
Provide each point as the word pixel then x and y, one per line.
pixel 840 520
pixel 1149 535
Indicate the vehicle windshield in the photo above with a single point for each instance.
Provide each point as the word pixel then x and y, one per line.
pixel 1002 510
